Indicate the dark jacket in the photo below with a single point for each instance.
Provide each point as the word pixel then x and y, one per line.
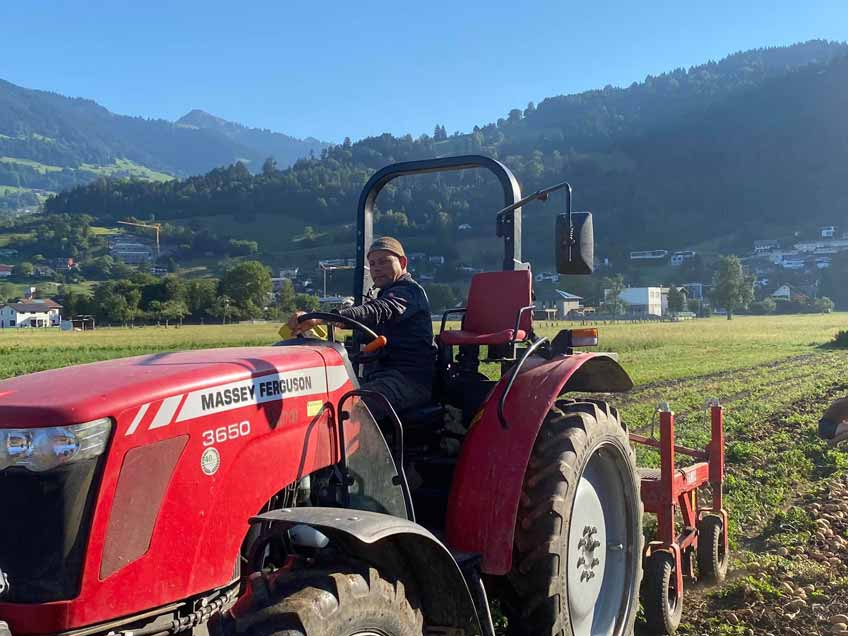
pixel 401 312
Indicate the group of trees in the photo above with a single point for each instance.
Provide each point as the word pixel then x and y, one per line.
pixel 243 292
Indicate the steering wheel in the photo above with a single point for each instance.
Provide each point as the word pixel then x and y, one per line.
pixel 375 341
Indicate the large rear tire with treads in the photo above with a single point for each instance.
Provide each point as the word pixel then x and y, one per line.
pixel 578 541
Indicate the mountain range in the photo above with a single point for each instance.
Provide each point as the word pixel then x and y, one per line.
pixel 753 146
pixel 49 142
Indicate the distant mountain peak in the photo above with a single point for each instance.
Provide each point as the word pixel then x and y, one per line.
pixel 201 119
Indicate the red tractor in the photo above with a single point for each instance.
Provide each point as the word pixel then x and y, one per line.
pixel 251 490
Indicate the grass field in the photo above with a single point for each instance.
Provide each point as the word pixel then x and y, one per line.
pixel 774 375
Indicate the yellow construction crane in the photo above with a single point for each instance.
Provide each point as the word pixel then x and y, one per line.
pixel 153 226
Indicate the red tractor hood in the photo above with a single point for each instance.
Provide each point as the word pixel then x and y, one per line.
pixel 101 389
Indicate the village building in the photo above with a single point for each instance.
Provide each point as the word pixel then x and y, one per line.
pixel 38 313
pixel 567 302
pixel 765 246
pixel 643 301
pixel 678 258
pixel 649 255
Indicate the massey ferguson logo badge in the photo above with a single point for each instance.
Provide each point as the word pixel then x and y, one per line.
pixel 210 461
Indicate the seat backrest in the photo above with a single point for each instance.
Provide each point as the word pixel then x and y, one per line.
pixel 494 300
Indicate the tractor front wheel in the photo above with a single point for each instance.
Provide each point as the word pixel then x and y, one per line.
pixel 320 603
pixel 578 539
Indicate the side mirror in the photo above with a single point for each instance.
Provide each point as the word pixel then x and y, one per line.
pixel 575 243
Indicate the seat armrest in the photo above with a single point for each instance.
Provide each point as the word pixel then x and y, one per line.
pixel 458 310
pixel 518 319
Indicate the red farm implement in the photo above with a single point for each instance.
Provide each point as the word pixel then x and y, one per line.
pixel 698 551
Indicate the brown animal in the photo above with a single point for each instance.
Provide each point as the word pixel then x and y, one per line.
pixel 833 425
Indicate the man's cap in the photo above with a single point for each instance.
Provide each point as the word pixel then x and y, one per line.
pixel 389 244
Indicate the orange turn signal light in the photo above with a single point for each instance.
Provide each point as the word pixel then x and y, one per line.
pixel 377 343
pixel 584 337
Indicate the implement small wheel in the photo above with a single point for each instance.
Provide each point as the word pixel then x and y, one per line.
pixel 659 595
pixel 712 550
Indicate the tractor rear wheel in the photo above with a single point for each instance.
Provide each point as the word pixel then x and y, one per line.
pixel 321 603
pixel 578 540
pixel 712 551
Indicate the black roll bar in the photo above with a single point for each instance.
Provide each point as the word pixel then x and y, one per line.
pixel 508 226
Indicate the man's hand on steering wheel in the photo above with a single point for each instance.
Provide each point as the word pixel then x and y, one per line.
pixel 303 321
pixel 299 327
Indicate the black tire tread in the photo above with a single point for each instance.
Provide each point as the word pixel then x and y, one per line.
pixel 325 603
pixel 532 592
pixel 659 617
pixel 711 567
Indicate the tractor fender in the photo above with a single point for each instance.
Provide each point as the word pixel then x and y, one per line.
pixel 399 549
pixel 487 484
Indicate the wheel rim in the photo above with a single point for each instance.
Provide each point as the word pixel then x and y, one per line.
pixel 671 593
pixel 600 550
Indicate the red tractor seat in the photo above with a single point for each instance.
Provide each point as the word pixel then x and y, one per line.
pixel 499 310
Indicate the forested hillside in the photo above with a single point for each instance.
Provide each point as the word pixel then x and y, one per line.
pixel 51 142
pixel 744 148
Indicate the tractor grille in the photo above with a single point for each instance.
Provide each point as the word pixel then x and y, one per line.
pixel 45 529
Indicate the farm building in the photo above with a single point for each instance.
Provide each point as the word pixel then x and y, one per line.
pixel 34 313
pixel 567 302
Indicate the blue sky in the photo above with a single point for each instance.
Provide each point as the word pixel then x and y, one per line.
pixel 357 68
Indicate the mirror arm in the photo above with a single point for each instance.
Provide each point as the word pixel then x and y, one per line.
pixel 539 195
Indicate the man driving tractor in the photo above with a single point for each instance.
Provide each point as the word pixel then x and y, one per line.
pixel 401 312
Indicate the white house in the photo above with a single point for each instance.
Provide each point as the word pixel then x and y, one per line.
pixel 648 255
pixel 828 232
pixel 645 301
pixel 784 292
pixel 36 313
pixel 5 271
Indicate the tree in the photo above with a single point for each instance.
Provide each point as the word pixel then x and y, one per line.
pixel 613 286
pixel 223 308
pixel 248 284
pixel 763 307
pixel 269 166
pixel 732 288
pixel 7 292
pixel 676 300
pixel 173 310
pixel 23 270
pixel 307 302
pixel 441 296
pixel 201 294
pixel 824 305
pixel 286 298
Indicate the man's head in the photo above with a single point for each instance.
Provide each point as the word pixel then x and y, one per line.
pixel 387 261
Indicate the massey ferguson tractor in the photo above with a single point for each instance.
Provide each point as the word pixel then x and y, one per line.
pixel 249 491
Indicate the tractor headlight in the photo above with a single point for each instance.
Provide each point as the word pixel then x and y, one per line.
pixel 40 449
